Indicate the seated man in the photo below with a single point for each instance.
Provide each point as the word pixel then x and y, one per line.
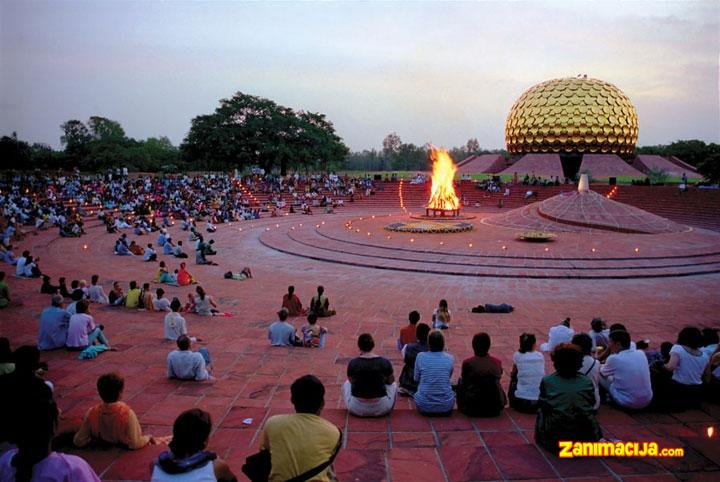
pixel 159 302
pixel 625 374
pixel 149 253
pixel 370 389
pixel 407 333
pixel 96 292
pixel 565 406
pixel 132 300
pixel 168 247
pixel 479 393
pixel 178 251
pixel 54 322
pixel 116 297
pixel 302 443
pixel 121 249
pixel 282 333
pixel 558 334
pixel 112 421
pixel 184 364
pixel 408 385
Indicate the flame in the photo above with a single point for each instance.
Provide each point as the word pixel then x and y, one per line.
pixel 710 431
pixel 442 195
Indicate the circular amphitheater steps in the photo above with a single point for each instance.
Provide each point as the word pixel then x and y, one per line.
pixel 331 241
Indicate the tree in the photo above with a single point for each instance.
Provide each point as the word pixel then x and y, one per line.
pixel 75 138
pixel 246 130
pixel 710 166
pixel 472 146
pixel 104 129
pixel 391 144
pixel 15 153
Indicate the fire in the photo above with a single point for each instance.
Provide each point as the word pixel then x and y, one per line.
pixel 442 195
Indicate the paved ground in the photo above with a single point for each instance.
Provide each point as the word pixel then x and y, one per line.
pixel 253 378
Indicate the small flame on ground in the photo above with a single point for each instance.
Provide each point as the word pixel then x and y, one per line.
pixel 442 194
pixel 710 431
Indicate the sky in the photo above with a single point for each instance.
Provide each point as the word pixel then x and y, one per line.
pixel 439 72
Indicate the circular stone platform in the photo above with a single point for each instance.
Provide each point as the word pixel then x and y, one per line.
pixel 428 226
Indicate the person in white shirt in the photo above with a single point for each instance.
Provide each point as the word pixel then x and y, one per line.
pixel 160 303
pixel 184 364
pixel 20 265
pixel 558 334
pixel 149 254
pixel 527 372
pixel 590 366
pixel 687 364
pixel 96 293
pixel 626 374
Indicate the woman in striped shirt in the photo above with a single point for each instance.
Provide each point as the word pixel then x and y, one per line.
pixel 433 370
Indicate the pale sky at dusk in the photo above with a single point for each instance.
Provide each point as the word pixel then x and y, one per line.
pixel 432 71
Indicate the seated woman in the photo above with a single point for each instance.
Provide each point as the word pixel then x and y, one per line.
pixel 527 372
pixel 565 406
pixel 292 303
pixel 204 303
pixel 47 287
pixel 184 278
pixel 479 393
pixel 162 275
pixel 408 385
pixel 112 421
pixel 136 249
pixel 313 334
pixel 441 316
pixel 687 364
pixel 82 330
pixel 187 458
pixel 370 388
pixel 320 304
pixel 433 370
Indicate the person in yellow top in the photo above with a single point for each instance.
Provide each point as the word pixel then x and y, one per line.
pixel 132 300
pixel 302 441
pixel 112 421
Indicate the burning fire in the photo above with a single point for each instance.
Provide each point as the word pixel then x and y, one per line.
pixel 442 195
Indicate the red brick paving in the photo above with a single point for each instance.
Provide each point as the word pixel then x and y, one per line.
pixel 253 378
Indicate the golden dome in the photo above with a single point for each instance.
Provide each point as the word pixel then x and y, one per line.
pixel 572 115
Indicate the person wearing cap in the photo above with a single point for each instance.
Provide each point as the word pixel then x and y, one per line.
pixel 54 322
pixel 282 333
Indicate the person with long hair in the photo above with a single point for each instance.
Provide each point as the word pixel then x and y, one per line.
pixel 292 303
pixel 320 304
pixel 527 372
pixel 187 458
pixel 441 316
pixel 204 303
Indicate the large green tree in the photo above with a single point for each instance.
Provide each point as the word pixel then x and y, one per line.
pixel 76 138
pixel 246 130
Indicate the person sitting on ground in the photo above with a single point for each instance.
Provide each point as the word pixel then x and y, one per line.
pixel 590 366
pixel 116 297
pixel 313 334
pixel 48 288
pixel 210 227
pixel 292 303
pixel 205 304
pixel 112 421
pixel 239 275
pixel 711 377
pixel 282 333
pixel 178 251
pixel 441 316
pixel 132 300
pixel 135 249
pixel 408 385
pixel 184 278
pixel 710 340
pixel 187 460
pixel 687 364
pixel 303 441
pixel 159 302
pixel 479 393
pixel 162 238
pixel 558 334
pixel 76 293
pixel 527 372
pixel 4 291
pixel 32 270
pixel 370 388
pixel 76 296
pixel 149 254
pixel 7 364
pixel 190 304
pixel 175 324
pixel 9 256
pixel 96 293
pixel 602 355
pixel 408 332
pixel 63 288
pixel 320 304
pixel 433 370
pixel 565 406
pixel 20 264
pixel 184 364
pixel 169 247
pixel 82 330
pixel 201 253
pixel 491 308
pixel 121 249
pixel 33 459
pixel 599 334
pixel 147 298
pixel 54 322
pixel 625 375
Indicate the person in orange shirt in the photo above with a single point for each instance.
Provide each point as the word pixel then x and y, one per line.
pixel 407 334
pixel 112 421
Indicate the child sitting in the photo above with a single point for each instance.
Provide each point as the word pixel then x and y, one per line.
pixel 313 334
pixel 112 421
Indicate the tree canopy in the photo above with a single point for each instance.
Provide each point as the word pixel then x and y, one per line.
pixel 246 130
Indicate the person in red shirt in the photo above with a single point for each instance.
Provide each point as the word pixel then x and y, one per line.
pixel 407 334
pixel 479 393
